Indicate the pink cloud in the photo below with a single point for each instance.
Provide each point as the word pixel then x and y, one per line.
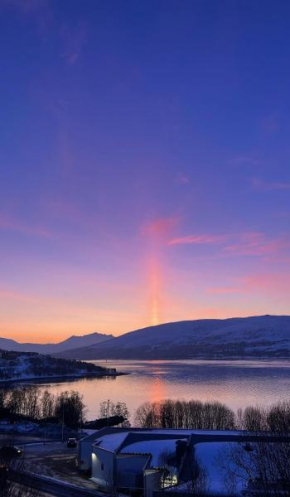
pixel 198 240
pixel 272 283
pixel 256 244
pixel 241 244
pixel 264 283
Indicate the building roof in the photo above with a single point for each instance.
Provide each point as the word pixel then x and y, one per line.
pixel 158 449
pixel 112 441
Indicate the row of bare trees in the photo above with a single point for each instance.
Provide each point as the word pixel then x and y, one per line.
pixel 185 414
pixel 275 418
pixel 198 415
pixel 29 402
pixel 32 402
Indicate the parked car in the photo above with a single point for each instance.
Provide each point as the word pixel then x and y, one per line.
pixel 10 451
pixel 72 442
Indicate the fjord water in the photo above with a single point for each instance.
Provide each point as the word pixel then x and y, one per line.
pixel 236 383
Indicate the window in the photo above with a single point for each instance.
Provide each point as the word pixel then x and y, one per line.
pixel 102 467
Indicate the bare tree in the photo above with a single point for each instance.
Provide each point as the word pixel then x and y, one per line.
pixel 148 415
pixel 263 468
pixel 70 409
pixel 197 481
pixel 110 409
pixel 254 419
pixel 47 404
pixel 278 418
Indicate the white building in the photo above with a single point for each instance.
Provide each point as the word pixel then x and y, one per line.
pixel 135 459
pixel 148 460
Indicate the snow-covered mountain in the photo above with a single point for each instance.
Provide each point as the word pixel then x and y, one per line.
pixel 71 343
pixel 259 336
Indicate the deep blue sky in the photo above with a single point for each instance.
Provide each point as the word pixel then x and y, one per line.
pixel 144 163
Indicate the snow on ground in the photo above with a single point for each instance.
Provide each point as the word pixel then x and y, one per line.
pixel 213 457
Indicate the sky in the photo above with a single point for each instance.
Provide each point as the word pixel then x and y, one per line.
pixel 144 163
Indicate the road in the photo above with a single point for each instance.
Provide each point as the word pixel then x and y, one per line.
pixel 56 461
pixel 50 486
pixel 51 467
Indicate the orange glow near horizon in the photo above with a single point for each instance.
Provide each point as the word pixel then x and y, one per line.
pixel 124 203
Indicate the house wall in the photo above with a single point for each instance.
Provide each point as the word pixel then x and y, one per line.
pixel 103 467
pixel 130 469
pixel 151 482
pixel 85 455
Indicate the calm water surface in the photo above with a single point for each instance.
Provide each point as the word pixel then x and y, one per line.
pixel 236 383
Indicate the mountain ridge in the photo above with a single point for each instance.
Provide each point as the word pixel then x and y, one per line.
pixel 68 344
pixel 254 336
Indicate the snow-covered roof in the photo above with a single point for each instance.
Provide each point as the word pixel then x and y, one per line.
pixel 111 441
pixel 182 432
pixel 156 448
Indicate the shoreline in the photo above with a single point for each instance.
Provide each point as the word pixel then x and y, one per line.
pixel 61 378
pixel 196 358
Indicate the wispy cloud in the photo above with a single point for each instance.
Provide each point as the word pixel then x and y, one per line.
pixel 245 160
pixel 202 239
pixel 17 296
pixel 182 179
pixel 273 283
pixel 256 244
pixel 243 244
pixel 12 225
pixel 259 184
pixel 266 283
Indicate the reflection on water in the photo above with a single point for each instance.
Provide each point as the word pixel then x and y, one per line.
pixel 236 383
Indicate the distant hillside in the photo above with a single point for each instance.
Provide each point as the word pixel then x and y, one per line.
pixel 261 336
pixel 17 366
pixel 74 342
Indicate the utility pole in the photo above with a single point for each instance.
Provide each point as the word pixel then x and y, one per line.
pixel 62 428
